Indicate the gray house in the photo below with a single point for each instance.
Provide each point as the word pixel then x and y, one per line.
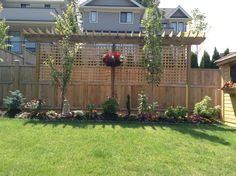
pixel 111 15
pixel 126 15
pixel 20 14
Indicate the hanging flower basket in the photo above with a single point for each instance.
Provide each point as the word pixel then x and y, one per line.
pixel 229 87
pixel 113 59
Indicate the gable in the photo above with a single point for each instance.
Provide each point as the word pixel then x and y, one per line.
pixel 112 3
pixel 179 14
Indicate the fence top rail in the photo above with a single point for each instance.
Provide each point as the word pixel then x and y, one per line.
pixel 125 37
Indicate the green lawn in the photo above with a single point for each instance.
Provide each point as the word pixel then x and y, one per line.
pixel 73 148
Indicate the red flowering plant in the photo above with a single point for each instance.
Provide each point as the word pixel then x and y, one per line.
pixel 113 59
pixel 229 84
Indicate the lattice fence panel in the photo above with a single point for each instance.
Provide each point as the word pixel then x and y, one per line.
pixel 90 68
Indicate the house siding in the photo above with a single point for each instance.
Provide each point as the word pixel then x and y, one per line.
pixel 229 102
pixel 110 21
pixel 118 3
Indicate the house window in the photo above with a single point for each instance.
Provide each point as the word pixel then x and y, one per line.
pixel 15 42
pixel 93 17
pixel 25 5
pixel 126 17
pixel 174 26
pixel 181 27
pixel 47 6
pixel 164 25
pixel 233 73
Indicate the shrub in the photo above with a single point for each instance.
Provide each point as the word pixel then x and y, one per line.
pixel 14 102
pixel 204 108
pixel 128 106
pixel 144 106
pixel 178 112
pixel 35 105
pixel 110 106
pixel 91 112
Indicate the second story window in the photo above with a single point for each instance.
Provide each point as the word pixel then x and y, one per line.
pixel 93 17
pixel 47 6
pixel 164 25
pixel 181 27
pixel 126 17
pixel 25 5
pixel 174 26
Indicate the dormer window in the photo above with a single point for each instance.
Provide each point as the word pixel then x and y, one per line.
pixel 47 6
pixel 25 5
pixel 126 17
pixel 93 17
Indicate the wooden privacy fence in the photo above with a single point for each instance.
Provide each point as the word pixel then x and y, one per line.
pixel 91 80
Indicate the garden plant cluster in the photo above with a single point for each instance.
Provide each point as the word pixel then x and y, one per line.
pixel 203 111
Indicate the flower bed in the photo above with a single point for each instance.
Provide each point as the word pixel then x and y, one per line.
pixel 229 88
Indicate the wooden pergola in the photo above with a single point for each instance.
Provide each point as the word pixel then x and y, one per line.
pixel 176 45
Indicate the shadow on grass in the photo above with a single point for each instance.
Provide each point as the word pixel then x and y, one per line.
pixel 196 131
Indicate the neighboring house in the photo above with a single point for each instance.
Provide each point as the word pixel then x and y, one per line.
pixel 111 15
pixel 126 15
pixel 175 19
pixel 23 14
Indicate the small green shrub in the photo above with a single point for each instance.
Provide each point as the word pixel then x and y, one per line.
pixel 144 106
pixel 14 102
pixel 128 105
pixel 177 112
pixel 204 108
pixel 110 106
pixel 35 105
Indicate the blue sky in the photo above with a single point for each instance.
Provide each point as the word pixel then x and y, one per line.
pixel 220 17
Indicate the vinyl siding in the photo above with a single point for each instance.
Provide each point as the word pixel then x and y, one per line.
pixel 110 21
pixel 228 100
pixel 119 3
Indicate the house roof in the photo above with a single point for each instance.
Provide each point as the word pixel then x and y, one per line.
pixel 230 58
pixel 169 12
pixel 41 1
pixel 85 2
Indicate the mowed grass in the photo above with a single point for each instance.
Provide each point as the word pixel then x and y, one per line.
pixel 75 148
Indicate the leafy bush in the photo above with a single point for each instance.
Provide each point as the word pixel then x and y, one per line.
pixel 91 112
pixel 35 105
pixel 128 106
pixel 144 106
pixel 178 112
pixel 204 108
pixel 14 102
pixel 110 106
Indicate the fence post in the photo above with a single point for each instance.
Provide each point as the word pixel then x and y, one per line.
pixel 16 74
pixel 188 72
pixel 37 69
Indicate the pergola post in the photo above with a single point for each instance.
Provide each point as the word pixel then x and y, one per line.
pixel 113 75
pixel 188 75
pixel 37 69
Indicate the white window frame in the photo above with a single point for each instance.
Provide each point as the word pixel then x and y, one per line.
pixel 90 17
pixel 132 18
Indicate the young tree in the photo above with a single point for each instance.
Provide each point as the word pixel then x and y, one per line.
pixel 3 34
pixel 198 23
pixel 206 61
pixel 152 44
pixel 226 52
pixel 66 25
pixel 216 56
pixel 194 60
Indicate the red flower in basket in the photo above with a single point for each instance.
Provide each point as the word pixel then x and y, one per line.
pixel 228 84
pixel 113 59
